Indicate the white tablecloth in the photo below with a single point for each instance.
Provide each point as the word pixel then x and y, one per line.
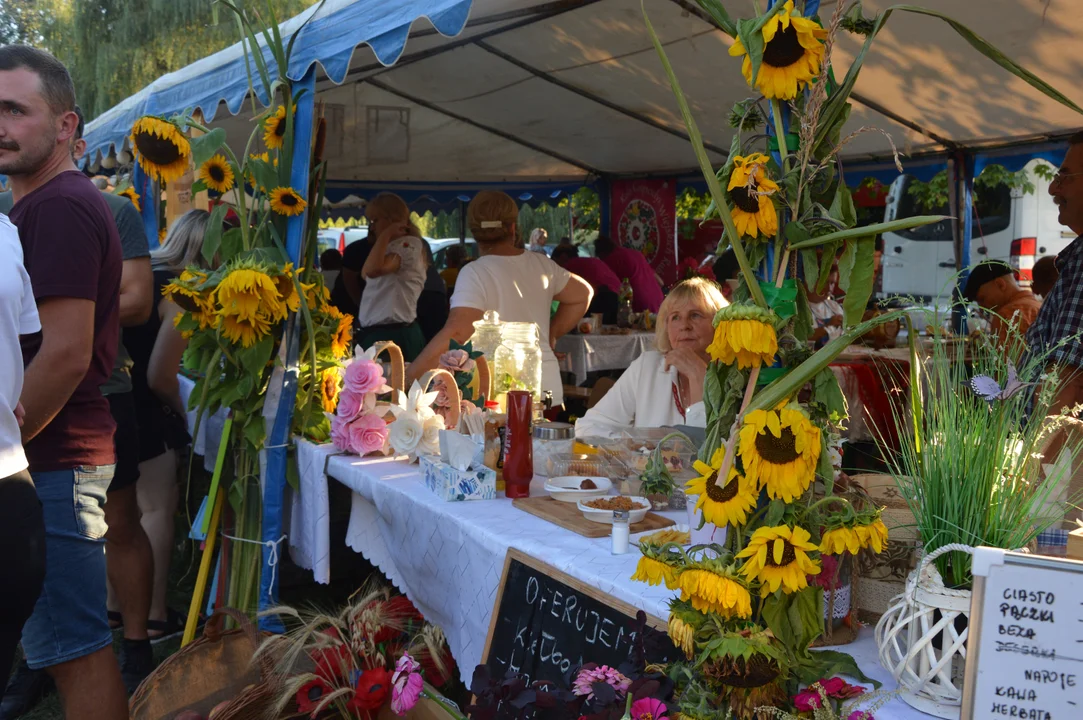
pixel 588 353
pixel 447 557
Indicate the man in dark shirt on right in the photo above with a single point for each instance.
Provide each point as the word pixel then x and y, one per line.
pixel 1061 316
pixel 72 254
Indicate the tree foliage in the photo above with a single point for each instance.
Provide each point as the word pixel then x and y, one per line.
pixel 114 48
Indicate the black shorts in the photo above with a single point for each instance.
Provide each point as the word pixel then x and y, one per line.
pixel 125 441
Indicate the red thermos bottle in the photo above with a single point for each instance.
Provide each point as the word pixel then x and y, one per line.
pixel 519 456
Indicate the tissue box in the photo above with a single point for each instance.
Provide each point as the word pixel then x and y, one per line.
pixel 453 485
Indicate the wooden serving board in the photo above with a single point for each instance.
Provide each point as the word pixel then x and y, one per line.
pixel 568 516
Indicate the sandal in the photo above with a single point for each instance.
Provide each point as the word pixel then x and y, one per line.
pixel 173 625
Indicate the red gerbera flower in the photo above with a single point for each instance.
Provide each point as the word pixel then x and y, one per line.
pixel 373 688
pixel 309 696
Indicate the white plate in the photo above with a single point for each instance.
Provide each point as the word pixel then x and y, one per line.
pixel 566 488
pixel 606 516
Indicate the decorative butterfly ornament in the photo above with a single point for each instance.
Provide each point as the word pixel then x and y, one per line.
pixel 990 390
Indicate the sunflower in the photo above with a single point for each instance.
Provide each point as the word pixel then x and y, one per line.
pixel 163 151
pixel 750 192
pixel 287 291
pixel 343 334
pixel 274 129
pixel 246 332
pixel 745 334
pixel 286 201
pixel 247 293
pixel 713 588
pixel 873 535
pixel 722 505
pixel 316 295
pixel 217 174
pixel 780 449
pixel 329 383
pixel 684 621
pixel 654 570
pixel 778 557
pixel 792 54
pixel 130 193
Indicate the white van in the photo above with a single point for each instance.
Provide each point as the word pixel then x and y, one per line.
pixel 1009 225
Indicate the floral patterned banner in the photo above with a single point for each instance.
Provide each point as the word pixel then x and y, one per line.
pixel 644 219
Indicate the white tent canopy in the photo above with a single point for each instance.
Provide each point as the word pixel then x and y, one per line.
pixel 536 91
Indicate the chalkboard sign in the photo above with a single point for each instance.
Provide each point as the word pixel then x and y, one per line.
pixel 546 622
pixel 1025 644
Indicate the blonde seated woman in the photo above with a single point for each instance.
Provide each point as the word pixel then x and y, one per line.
pixel 664 386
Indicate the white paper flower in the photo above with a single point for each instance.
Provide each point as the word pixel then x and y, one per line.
pixel 416 401
pixel 430 441
pixel 405 433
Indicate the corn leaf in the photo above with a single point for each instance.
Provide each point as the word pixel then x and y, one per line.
pixel 836 105
pixel 857 281
pixel 786 387
pixel 718 13
pixel 705 166
pixel 874 229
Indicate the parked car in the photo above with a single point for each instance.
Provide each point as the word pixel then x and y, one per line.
pixel 1009 225
pixel 439 250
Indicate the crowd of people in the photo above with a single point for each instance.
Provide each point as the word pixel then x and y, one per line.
pixel 92 425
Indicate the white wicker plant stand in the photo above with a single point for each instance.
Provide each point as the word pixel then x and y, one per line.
pixel 930 678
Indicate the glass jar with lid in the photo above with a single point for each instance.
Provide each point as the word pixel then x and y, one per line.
pixel 487 333
pixel 517 362
pixel 551 439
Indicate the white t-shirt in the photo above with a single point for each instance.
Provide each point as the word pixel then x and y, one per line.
pixel 393 298
pixel 520 288
pixel 823 311
pixel 18 316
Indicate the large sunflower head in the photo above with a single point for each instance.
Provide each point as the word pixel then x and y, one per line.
pixel 684 621
pixel 779 557
pixel 714 587
pixel 217 174
pixel 247 332
pixel 658 565
pixel 792 54
pixel 329 386
pixel 274 129
pixel 750 190
pixel 130 193
pixel 745 334
pixel 722 504
pixel 286 201
pixel 780 449
pixel 248 292
pixel 287 291
pixel 163 151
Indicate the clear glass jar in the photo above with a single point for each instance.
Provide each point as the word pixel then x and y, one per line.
pixel 551 439
pixel 487 331
pixel 517 363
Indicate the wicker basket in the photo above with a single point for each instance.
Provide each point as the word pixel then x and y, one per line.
pixel 398 367
pixel 214 669
pixel 451 416
pixel 922 639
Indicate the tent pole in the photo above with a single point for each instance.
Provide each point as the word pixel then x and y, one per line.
pixel 605 204
pixel 961 180
pixel 274 486
pixel 462 223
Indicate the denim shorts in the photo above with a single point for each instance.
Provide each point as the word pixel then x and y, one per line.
pixel 69 620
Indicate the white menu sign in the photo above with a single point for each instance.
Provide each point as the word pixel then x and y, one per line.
pixel 1025 640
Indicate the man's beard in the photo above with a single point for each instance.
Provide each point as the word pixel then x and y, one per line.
pixel 29 160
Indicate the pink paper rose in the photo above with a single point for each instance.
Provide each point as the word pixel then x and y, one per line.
pixel 368 434
pixel 349 404
pixel 364 376
pixel 440 386
pixel 457 361
pixel 340 433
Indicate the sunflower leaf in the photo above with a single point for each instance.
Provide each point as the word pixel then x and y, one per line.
pixel 811 266
pixel 775 512
pixel 859 278
pixel 829 663
pixel 802 326
pixel 750 35
pixel 264 174
pixel 213 237
pixel 205 146
pixel 842 207
pixel 232 244
pixel 873 229
pixel 807 615
pixel 826 390
pixel 718 13
pixel 827 260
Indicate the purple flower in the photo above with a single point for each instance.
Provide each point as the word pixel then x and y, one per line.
pixel 457 361
pixel 860 715
pixel 602 674
pixel 649 709
pixel 406 685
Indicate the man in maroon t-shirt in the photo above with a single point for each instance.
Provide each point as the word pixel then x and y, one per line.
pixel 630 265
pixel 72 253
